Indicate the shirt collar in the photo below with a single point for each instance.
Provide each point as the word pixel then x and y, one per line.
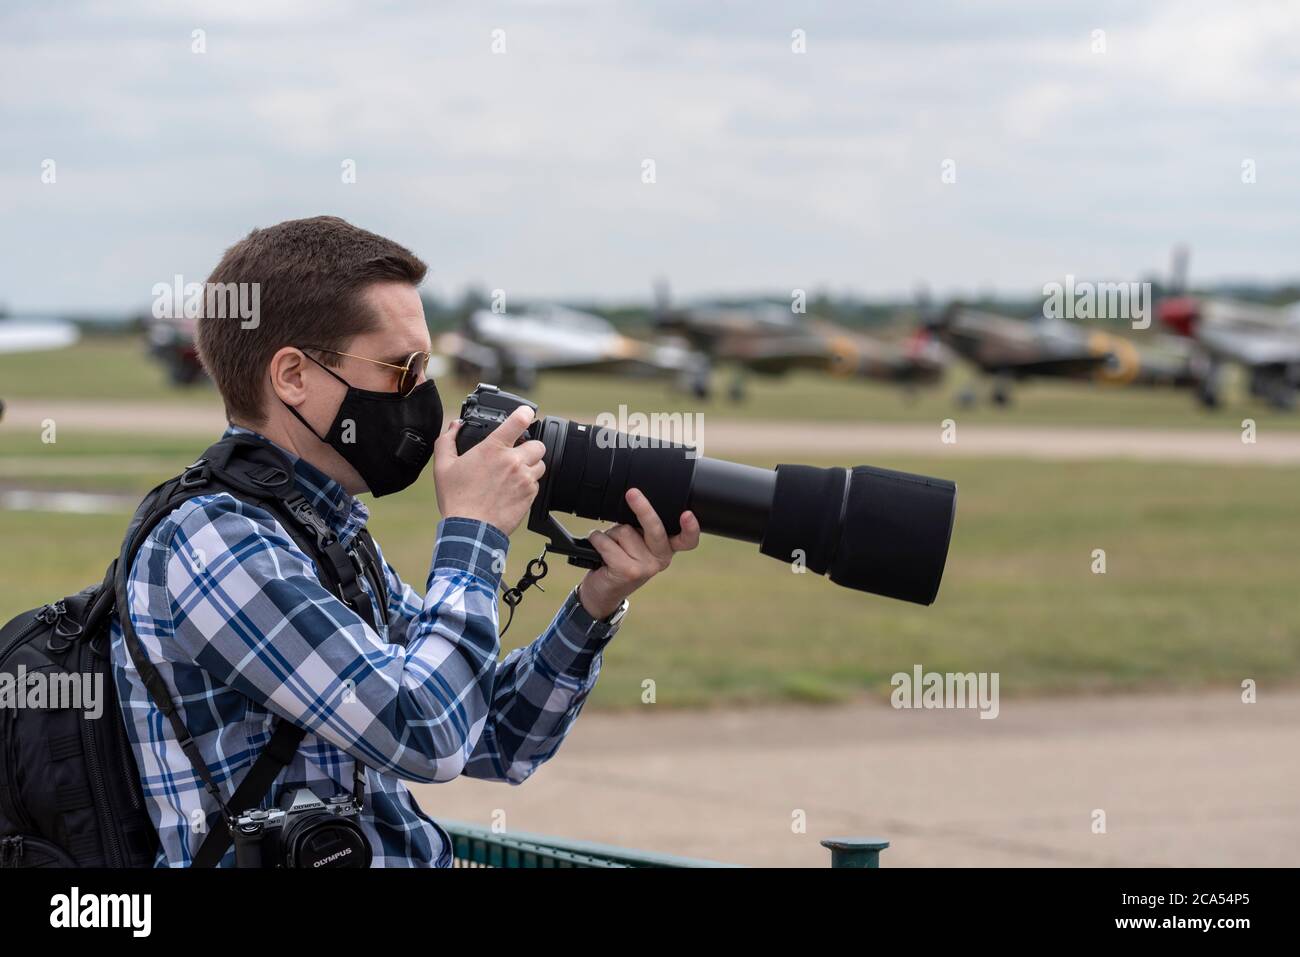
pixel 342 512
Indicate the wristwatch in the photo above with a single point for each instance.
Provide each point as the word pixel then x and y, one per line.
pixel 614 617
pixel 610 620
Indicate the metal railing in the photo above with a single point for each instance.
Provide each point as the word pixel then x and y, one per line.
pixel 474 846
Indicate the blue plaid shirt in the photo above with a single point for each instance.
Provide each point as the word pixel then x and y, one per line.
pixel 233 615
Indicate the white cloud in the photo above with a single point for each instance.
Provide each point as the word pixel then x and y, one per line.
pixel 774 170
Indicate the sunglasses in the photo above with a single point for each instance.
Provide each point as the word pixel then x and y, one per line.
pixel 412 371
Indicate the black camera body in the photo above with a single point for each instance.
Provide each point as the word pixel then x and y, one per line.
pixel 486 408
pixel 871 529
pixel 483 411
pixel 304 832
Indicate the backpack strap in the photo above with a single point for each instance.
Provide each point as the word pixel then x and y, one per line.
pixel 157 506
pixel 368 553
pixel 257 472
pixel 338 562
pixel 252 469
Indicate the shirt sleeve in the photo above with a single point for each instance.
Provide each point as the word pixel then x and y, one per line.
pixel 537 691
pixel 247 607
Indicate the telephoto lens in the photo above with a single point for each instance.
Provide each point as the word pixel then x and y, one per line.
pixel 871 529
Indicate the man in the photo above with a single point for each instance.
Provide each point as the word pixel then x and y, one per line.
pixel 232 612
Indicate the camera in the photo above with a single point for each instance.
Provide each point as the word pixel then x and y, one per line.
pixel 304 831
pixel 870 529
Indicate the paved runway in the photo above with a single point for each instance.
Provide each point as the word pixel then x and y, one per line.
pixel 723 437
pixel 1184 780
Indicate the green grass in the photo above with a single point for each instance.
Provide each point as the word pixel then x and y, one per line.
pixel 96 368
pixel 120 370
pixel 1200 584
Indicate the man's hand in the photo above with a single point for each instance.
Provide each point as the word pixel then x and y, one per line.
pixel 632 557
pixel 495 481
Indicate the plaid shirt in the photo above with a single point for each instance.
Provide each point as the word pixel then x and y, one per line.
pixel 234 616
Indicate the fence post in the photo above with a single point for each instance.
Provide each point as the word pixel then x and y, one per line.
pixel 855 851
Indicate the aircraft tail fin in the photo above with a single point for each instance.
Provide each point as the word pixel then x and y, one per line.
pixel 1178 269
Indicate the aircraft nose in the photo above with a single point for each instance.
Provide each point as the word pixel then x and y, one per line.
pixel 1179 314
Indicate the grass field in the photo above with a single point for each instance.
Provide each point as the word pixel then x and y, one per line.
pixel 1200 582
pixel 118 369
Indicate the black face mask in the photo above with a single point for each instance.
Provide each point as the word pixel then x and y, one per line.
pixel 387 437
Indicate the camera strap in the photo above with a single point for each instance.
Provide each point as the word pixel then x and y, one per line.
pixel 274 758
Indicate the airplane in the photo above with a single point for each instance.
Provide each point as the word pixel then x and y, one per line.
pixel 172 342
pixel 512 349
pixel 769 339
pixel 1012 350
pixel 1263 339
pixel 34 335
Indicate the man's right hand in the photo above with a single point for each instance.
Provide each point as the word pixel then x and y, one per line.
pixel 496 480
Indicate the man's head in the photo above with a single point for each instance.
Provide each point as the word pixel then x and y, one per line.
pixel 324 287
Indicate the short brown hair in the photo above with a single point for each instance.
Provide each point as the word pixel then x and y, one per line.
pixel 310 275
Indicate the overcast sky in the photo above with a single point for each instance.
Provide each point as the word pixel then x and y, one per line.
pixel 523 170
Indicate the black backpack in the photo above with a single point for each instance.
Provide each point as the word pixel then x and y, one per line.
pixel 70 793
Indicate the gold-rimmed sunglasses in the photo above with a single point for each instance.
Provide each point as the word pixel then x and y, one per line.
pixel 412 371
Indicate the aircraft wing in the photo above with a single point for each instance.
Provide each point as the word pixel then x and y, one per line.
pixel 617 365
pixel 1278 347
pixel 773 355
pixel 1066 366
pixel 458 346
pixel 20 335
pixel 619 355
pixel 1251 316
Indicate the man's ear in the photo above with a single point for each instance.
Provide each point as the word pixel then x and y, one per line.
pixel 288 370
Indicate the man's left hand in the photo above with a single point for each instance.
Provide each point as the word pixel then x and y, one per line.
pixel 632 557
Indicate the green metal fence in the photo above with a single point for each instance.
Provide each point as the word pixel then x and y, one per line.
pixel 474 846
